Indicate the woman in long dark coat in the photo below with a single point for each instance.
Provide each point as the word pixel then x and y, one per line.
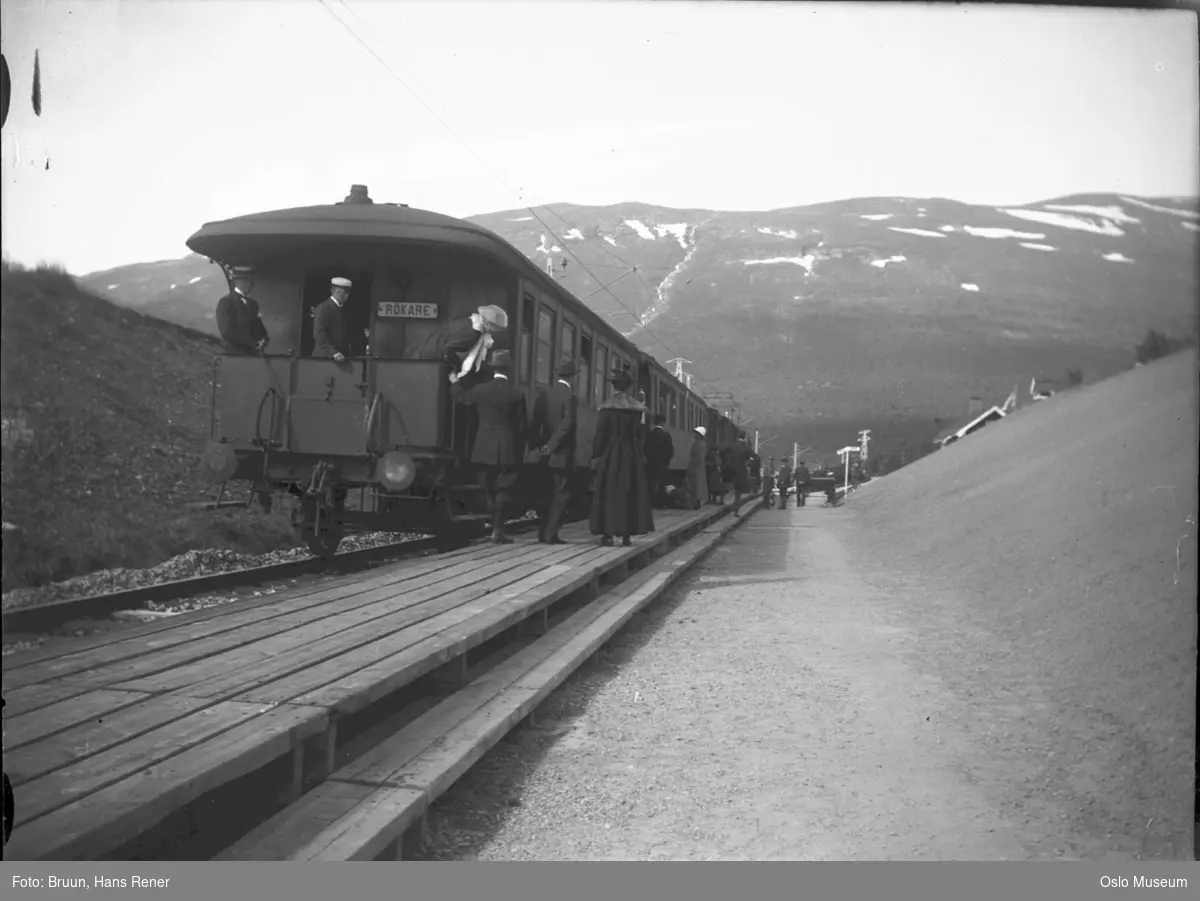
pixel 621 498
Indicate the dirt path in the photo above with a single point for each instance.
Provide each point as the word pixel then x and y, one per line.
pixel 784 709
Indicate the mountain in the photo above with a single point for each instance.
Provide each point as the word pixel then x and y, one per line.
pixel 884 313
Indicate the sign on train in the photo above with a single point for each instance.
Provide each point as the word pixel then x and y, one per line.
pixel 398 310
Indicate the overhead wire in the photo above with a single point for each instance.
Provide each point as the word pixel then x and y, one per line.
pixel 634 270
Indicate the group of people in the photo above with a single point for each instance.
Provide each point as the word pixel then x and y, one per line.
pixel 784 479
pixel 240 322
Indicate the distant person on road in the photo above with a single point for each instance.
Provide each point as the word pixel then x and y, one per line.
pixel 738 459
pixel 238 317
pixel 802 478
pixel 621 498
pixel 660 448
pixel 783 481
pixel 329 324
pixel 696 480
pixel 499 446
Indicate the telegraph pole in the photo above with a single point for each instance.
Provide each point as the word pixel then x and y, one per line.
pixel 864 439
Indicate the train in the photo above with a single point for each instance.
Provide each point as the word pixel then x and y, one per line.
pixel 385 423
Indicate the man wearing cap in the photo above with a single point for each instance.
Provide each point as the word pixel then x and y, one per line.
pixel 499 447
pixel 329 326
pixel 238 318
pixel 697 475
pixel 472 335
pixel 553 431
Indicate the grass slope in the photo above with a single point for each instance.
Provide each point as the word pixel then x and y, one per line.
pixel 105 413
pixel 1068 532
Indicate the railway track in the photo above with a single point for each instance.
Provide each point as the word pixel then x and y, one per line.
pixel 42 619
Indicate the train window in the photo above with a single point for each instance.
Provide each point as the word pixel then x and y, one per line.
pixel 673 416
pixel 584 379
pixel 566 350
pixel 600 388
pixel 526 338
pixel 545 345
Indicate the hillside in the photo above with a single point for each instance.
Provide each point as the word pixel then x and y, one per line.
pixel 877 312
pixel 1065 535
pixel 105 411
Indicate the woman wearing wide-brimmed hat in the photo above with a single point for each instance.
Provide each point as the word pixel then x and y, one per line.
pixel 621 499
pixel 465 342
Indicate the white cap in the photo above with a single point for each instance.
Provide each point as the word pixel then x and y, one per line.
pixel 340 282
pixel 702 430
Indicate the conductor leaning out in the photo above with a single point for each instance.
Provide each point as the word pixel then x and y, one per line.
pixel 329 324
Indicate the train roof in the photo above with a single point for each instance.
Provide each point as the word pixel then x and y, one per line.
pixel 252 238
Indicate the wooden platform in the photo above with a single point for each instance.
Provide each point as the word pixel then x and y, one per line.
pixel 106 736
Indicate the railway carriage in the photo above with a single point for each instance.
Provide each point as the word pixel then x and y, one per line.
pixel 385 420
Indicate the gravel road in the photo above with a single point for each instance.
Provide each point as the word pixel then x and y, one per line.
pixel 778 713
pixel 988 655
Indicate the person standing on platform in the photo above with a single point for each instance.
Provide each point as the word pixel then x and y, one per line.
pixel 697 471
pixel 621 499
pixel 500 442
pixel 738 459
pixel 553 428
pixel 329 324
pixel 660 448
pixel 783 482
pixel 712 472
pixel 768 482
pixel 754 469
pixel 238 317
pixel 803 476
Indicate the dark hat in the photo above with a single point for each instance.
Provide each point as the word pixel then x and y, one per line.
pixel 567 369
pixel 501 359
pixel 621 375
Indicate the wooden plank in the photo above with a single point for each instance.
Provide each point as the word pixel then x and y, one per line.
pixel 95 824
pixel 279 655
pixel 228 616
pixel 400 664
pixel 295 826
pixel 29 698
pixel 265 619
pixel 182 662
pixel 92 773
pixel 101 738
pixel 368 829
pixel 316 664
pixel 25 728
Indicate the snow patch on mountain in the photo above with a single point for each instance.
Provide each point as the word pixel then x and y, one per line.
pixel 966 286
pixel 1117 257
pixel 687 238
pixel 110 287
pixel 522 219
pixel 805 261
pixel 1000 233
pixel 876 217
pixel 611 241
pixel 641 229
pixel 573 235
pixel 1191 226
pixel 678 229
pixel 947 228
pixel 1038 246
pixel 1104 227
pixel 879 264
pixel 916 231
pixel 1186 214
pixel 1115 213
pixel 196 279
pixel 781 233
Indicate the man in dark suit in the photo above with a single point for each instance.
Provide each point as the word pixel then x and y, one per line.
pixel 499 443
pixel 238 318
pixel 783 481
pixel 739 459
pixel 329 325
pixel 802 478
pixel 660 448
pixel 553 430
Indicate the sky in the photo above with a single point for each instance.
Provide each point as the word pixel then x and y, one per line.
pixel 161 115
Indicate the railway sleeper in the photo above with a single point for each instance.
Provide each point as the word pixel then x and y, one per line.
pixel 377 806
